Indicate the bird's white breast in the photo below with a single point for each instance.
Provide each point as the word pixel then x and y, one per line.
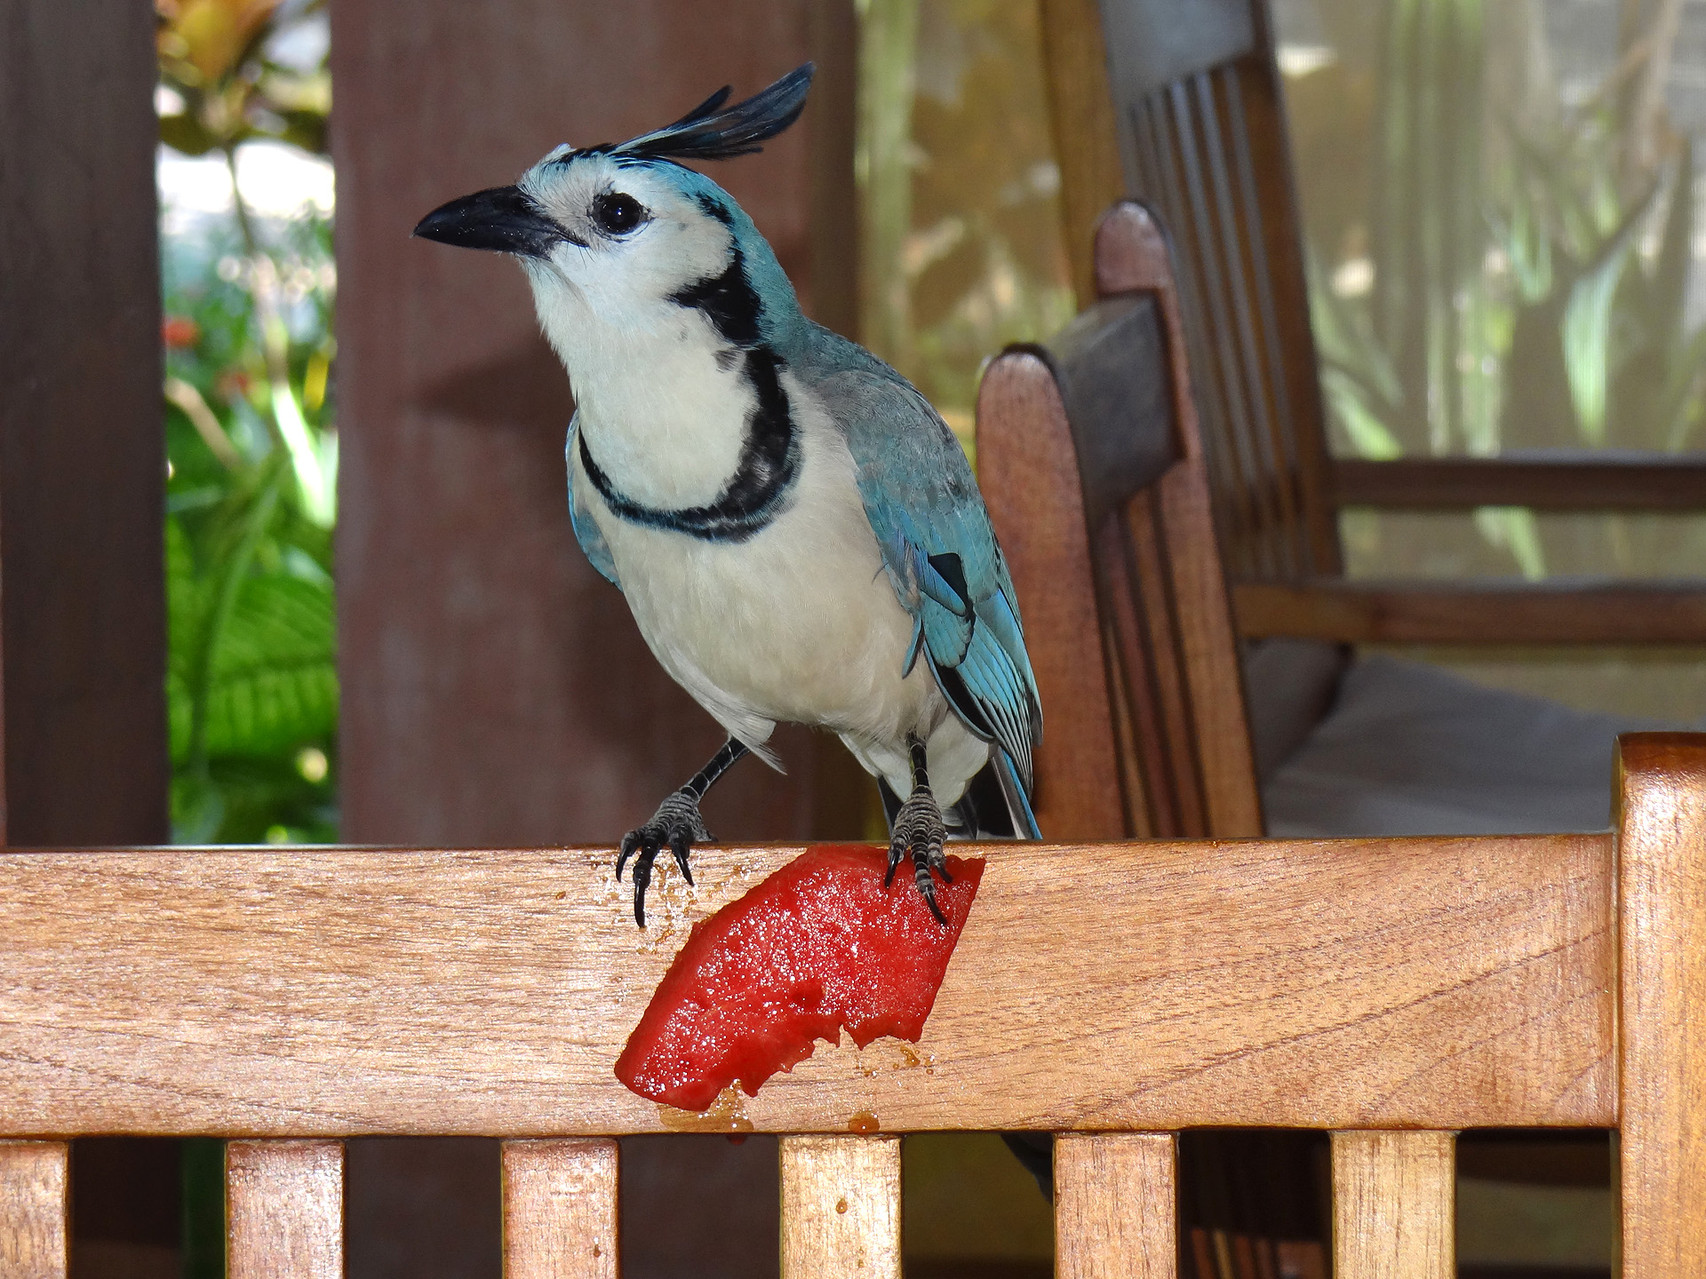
pixel 797 622
pixel 667 429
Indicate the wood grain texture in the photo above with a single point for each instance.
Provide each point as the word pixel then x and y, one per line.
pixel 1550 612
pixel 308 992
pixel 1209 655
pixel 840 1207
pixel 1647 482
pixel 82 447
pixel 1394 1205
pixel 1661 825
pixel 1116 1206
pixel 559 1209
pixel 284 1209
pixel 34 1210
pixel 1028 472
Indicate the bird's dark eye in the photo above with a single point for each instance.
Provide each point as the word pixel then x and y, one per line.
pixel 615 213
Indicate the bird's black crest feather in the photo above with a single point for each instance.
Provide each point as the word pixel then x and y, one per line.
pixel 711 132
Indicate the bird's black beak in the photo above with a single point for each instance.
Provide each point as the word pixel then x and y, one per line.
pixel 502 219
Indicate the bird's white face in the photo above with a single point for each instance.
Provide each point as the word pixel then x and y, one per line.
pixel 632 239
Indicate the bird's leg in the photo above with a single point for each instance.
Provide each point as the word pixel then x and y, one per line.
pixel 676 825
pixel 918 829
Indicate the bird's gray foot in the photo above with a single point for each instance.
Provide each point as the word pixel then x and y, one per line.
pixel 675 826
pixel 920 832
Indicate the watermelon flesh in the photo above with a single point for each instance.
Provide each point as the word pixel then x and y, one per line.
pixel 818 947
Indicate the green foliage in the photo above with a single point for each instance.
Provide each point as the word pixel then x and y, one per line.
pixel 218 60
pixel 252 680
pixel 1517 279
pixel 959 192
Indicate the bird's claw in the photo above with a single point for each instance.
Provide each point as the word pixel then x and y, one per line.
pixel 919 830
pixel 675 826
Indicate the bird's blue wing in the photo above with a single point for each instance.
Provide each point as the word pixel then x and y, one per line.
pixel 580 519
pixel 940 553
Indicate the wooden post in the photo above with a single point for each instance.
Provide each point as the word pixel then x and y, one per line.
pixel 559 1210
pixel 1661 831
pixel 1394 1205
pixel 840 1207
pixel 82 452
pixel 1116 1205
pixel 34 1208
pixel 285 1208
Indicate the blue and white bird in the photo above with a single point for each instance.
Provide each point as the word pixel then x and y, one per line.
pixel 796 530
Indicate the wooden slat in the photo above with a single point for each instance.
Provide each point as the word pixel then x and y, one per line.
pixel 1209 653
pixel 1661 825
pixel 559 1209
pixel 285 1209
pixel 323 992
pixel 1145 639
pixel 34 1210
pixel 1028 472
pixel 1285 288
pixel 840 1207
pixel 1115 1206
pixel 1394 1205
pixel 1559 611
pixel 1649 482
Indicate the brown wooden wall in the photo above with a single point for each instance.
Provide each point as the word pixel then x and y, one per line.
pixel 495 690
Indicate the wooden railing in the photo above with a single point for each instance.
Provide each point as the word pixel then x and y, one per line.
pixel 1393 991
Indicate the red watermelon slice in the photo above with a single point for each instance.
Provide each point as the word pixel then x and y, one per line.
pixel 818 947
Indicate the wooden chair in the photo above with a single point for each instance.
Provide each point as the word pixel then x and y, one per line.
pixel 1090 458
pixel 1181 106
pixel 1391 991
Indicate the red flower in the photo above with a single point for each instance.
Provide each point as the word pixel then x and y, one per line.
pixel 179 332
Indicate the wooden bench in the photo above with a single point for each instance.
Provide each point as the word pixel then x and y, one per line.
pixel 1392 991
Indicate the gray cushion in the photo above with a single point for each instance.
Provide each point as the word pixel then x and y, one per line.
pixel 1411 749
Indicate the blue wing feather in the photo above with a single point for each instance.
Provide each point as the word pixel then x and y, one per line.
pixel 937 543
pixel 580 519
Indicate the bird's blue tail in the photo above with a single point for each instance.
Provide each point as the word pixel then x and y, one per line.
pixel 1013 791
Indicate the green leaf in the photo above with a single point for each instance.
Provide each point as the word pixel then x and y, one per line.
pixel 273 684
pixel 186 134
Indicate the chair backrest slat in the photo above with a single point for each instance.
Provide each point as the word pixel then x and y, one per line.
pixel 1212 678
pixel 1201 125
pixel 840 1207
pixel 1166 143
pixel 284 1209
pixel 559 1209
pixel 34 1210
pixel 1226 314
pixel 1394 1205
pixel 1661 825
pixel 1116 1205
